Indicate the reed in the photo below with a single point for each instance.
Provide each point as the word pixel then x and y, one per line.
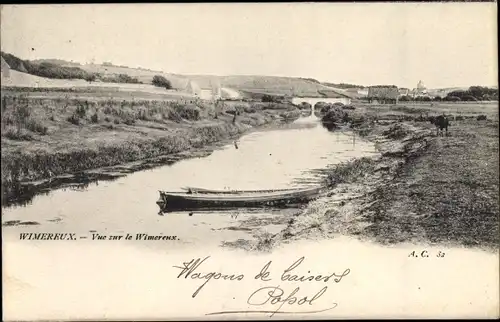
pixel 146 129
pixel 351 171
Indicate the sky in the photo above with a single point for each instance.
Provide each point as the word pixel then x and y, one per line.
pixel 442 44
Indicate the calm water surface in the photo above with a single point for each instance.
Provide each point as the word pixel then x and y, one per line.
pixel 280 158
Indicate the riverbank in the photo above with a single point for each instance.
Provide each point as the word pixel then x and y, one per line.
pixel 421 188
pixel 47 143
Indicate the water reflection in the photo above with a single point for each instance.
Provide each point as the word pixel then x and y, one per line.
pixel 272 159
pixel 26 194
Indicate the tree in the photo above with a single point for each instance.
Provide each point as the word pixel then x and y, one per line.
pixel 267 98
pixel 469 98
pixel 90 78
pixel 161 81
pixel 453 98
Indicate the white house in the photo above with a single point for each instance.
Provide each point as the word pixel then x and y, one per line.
pixel 5 69
pixel 193 88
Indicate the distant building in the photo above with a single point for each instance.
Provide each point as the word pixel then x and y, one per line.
pixel 439 92
pixel 209 91
pixel 404 91
pixel 420 91
pixel 383 94
pixel 421 86
pixel 193 88
pixel 5 70
pixel 357 92
pixel 215 89
pixel 206 94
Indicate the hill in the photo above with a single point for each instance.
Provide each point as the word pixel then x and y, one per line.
pixel 274 85
pixel 143 75
pixel 58 68
pixel 344 85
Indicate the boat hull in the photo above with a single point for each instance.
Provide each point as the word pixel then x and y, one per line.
pixel 236 192
pixel 169 202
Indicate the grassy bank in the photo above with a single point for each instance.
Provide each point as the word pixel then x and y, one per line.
pixel 421 188
pixel 44 138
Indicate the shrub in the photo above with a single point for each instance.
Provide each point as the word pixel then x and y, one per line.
pixel 81 111
pixel 21 113
pixel 267 98
pixel 188 112
pixel 34 126
pixel 161 81
pixel 120 78
pixel 129 121
pixel 351 171
pixel 143 115
pixel 469 98
pixel 116 121
pixel 335 115
pixel 453 98
pixel 94 118
pixel 4 103
pixel 108 110
pixel 172 115
pixel 481 117
pixel 73 119
pixel 12 134
pixel 305 106
pixel 46 69
pixel 90 78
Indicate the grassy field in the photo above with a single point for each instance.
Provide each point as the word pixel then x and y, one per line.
pixel 94 93
pixel 264 84
pixel 23 81
pixel 47 137
pixel 276 85
pixel 424 188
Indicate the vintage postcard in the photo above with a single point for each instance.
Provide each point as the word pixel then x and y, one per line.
pixel 249 161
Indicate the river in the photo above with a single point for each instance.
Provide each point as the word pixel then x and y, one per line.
pixel 276 158
pixel 138 280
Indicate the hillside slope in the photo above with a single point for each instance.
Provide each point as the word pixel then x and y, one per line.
pixel 277 85
pixel 253 83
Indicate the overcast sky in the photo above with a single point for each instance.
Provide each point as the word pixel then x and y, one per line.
pixel 443 44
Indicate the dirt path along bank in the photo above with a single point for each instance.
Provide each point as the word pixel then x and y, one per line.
pixel 421 189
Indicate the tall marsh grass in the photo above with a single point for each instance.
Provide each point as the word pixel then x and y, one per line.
pixel 351 171
pixel 28 165
pixel 33 114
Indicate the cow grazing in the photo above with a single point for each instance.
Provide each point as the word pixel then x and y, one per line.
pixel 441 122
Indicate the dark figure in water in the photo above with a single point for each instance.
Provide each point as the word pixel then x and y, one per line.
pixel 236 144
pixel 441 122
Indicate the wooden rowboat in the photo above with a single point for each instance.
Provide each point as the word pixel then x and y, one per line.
pixel 181 201
pixel 210 191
